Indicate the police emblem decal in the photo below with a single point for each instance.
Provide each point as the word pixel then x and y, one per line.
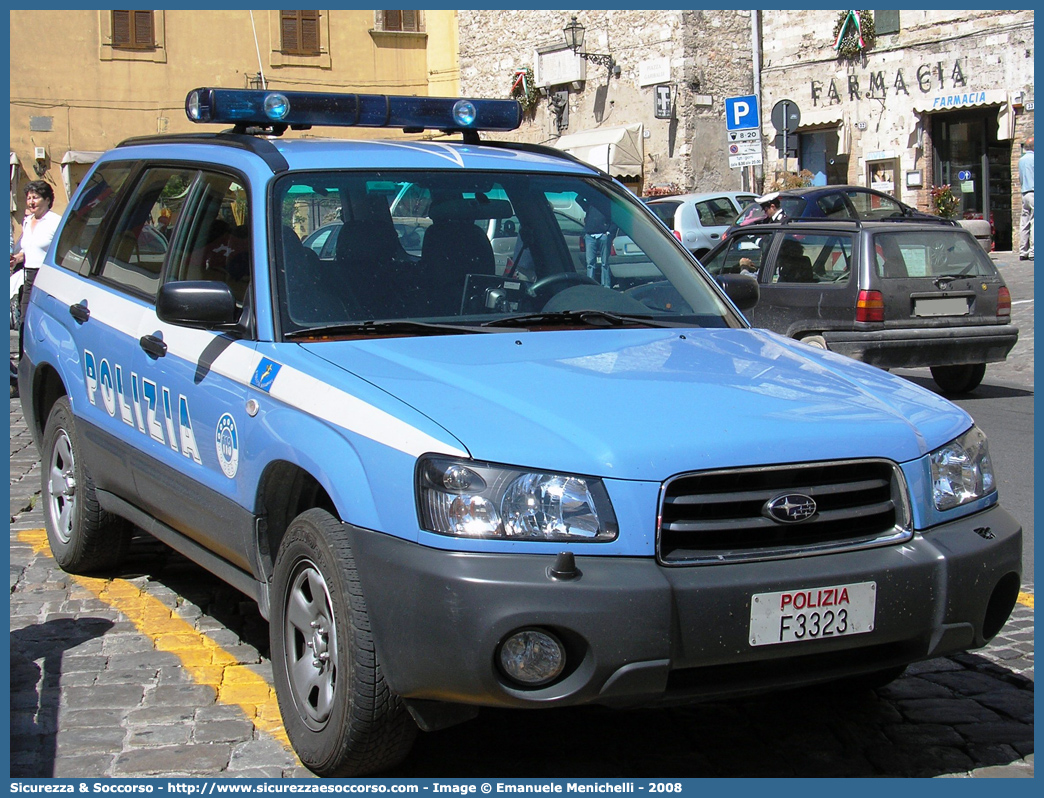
pixel 227 443
pixel 265 374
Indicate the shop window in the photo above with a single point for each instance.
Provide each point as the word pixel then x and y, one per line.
pixel 405 21
pixel 886 22
pixel 299 31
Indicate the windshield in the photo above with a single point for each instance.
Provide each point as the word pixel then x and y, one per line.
pixel 471 248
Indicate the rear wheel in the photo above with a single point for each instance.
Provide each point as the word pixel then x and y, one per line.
pixel 959 379
pixel 83 537
pixel 339 714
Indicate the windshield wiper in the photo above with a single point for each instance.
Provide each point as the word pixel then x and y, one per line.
pixel 386 328
pixel 592 318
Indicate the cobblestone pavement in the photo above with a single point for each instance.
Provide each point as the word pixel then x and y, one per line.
pixel 163 671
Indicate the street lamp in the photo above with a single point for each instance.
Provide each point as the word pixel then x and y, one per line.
pixel 574 39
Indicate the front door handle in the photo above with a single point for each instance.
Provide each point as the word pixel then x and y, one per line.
pixel 80 312
pixel 153 346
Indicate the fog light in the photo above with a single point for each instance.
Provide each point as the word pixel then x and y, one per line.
pixel 532 657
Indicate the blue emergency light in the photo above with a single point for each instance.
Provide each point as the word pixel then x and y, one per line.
pixel 302 109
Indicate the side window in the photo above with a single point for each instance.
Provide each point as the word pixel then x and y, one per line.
pixel 213 242
pixel 139 245
pixel 76 243
pixel 874 206
pixel 743 255
pixel 833 206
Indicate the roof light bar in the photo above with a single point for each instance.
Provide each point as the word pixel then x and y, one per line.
pixel 243 107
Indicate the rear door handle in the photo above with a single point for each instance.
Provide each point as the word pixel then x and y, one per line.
pixel 80 312
pixel 153 346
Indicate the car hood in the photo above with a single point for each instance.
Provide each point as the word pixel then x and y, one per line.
pixel 645 404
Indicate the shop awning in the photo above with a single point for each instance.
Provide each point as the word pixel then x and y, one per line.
pixel 76 156
pixel 948 101
pixel 619 151
pixel 80 157
pixel 828 116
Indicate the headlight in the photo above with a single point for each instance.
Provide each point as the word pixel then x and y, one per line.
pixel 962 471
pixel 468 499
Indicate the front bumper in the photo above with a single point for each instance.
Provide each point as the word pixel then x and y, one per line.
pixel 637 633
pixel 916 347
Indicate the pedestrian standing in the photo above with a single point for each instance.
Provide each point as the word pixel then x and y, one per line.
pixel 1026 186
pixel 38 229
pixel 599 232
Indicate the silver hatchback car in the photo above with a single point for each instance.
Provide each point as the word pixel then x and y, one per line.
pixel 699 220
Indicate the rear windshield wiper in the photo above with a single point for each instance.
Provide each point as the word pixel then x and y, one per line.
pixel 592 318
pixel 386 328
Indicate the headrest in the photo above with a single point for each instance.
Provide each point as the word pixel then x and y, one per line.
pixel 470 210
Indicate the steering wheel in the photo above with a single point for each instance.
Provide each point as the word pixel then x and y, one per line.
pixel 549 284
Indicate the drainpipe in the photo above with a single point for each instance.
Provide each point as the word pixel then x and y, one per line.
pixel 755 56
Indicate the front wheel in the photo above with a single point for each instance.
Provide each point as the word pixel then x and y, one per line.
pixel 959 379
pixel 83 537
pixel 339 714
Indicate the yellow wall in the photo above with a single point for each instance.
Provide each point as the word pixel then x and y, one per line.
pixel 96 97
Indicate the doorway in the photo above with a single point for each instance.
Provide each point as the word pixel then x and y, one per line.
pixel 977 167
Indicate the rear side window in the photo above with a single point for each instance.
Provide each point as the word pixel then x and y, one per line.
pixel 813 258
pixel 715 212
pixel 874 206
pixel 943 253
pixel 139 243
pixel 664 211
pixel 80 234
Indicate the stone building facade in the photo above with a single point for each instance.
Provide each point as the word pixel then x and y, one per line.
pixel 702 56
pixel 938 97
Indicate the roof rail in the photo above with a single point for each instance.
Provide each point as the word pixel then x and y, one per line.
pixel 261 147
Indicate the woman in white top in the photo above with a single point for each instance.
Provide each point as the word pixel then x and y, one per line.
pixel 38 229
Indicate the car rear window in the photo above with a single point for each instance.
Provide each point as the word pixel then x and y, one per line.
pixel 664 211
pixel 943 253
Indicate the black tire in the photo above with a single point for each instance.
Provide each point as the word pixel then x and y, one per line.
pixel 16 310
pixel 339 714
pixel 83 537
pixel 959 379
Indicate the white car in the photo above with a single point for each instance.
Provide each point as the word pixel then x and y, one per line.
pixel 699 220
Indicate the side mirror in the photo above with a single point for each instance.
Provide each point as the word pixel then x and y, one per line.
pixel 742 289
pixel 203 304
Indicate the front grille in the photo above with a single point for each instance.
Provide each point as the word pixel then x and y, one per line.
pixel 720 516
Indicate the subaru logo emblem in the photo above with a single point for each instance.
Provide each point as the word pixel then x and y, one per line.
pixel 790 509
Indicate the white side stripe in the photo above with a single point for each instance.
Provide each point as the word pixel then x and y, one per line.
pixel 238 362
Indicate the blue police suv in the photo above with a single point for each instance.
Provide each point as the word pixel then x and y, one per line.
pixel 450 483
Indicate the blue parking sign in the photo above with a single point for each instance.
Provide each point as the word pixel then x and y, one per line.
pixel 741 112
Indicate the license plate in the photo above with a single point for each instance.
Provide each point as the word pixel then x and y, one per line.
pixel 941 306
pixel 818 613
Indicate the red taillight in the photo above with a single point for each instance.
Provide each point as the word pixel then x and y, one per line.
pixel 677 234
pixel 870 306
pixel 1003 303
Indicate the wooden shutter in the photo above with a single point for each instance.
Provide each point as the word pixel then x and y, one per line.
pixel 133 30
pixel 408 20
pixel 300 32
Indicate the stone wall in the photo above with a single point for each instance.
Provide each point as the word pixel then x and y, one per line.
pixel 709 57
